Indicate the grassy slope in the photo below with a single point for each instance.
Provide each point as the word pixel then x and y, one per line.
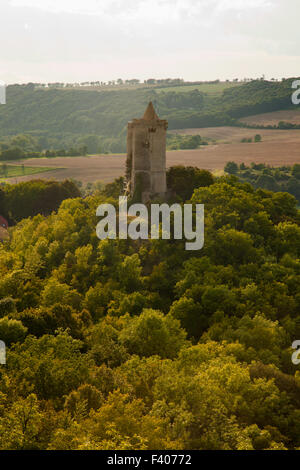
pixel 17 170
pixel 212 89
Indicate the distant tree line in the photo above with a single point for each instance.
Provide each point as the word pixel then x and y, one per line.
pixel 16 153
pixel 283 125
pixel 27 199
pixel 284 178
pixel 181 142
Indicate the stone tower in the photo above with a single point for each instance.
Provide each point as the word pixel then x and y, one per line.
pixel 146 156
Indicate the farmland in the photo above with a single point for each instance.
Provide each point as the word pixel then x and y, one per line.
pixel 86 169
pixel 277 148
pixel 234 135
pixel 212 89
pixel 272 119
pixel 14 171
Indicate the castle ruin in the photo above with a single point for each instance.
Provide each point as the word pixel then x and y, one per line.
pixel 146 156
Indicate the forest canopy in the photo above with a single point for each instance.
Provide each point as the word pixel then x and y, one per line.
pixel 121 344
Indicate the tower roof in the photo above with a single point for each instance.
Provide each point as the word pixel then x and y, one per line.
pixel 150 114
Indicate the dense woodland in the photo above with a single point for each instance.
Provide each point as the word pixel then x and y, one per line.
pixel 59 119
pixel 27 199
pixel 263 176
pixel 121 344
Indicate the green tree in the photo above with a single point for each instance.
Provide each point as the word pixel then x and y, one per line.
pixel 183 180
pixel 231 168
pixel 153 333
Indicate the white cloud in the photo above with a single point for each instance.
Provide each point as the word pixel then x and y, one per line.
pixel 119 6
pixel 104 39
pixel 242 4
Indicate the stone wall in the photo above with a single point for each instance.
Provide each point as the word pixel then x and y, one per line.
pixel 146 155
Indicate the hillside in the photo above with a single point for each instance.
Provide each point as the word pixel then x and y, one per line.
pixel 62 117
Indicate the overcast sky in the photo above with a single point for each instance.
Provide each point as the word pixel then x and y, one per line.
pixel 81 40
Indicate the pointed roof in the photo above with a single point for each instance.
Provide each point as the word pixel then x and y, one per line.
pixel 150 114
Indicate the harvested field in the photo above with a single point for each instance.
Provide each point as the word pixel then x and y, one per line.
pixel 278 147
pixel 234 135
pixel 282 150
pixel 272 119
pixel 85 169
pixel 214 157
